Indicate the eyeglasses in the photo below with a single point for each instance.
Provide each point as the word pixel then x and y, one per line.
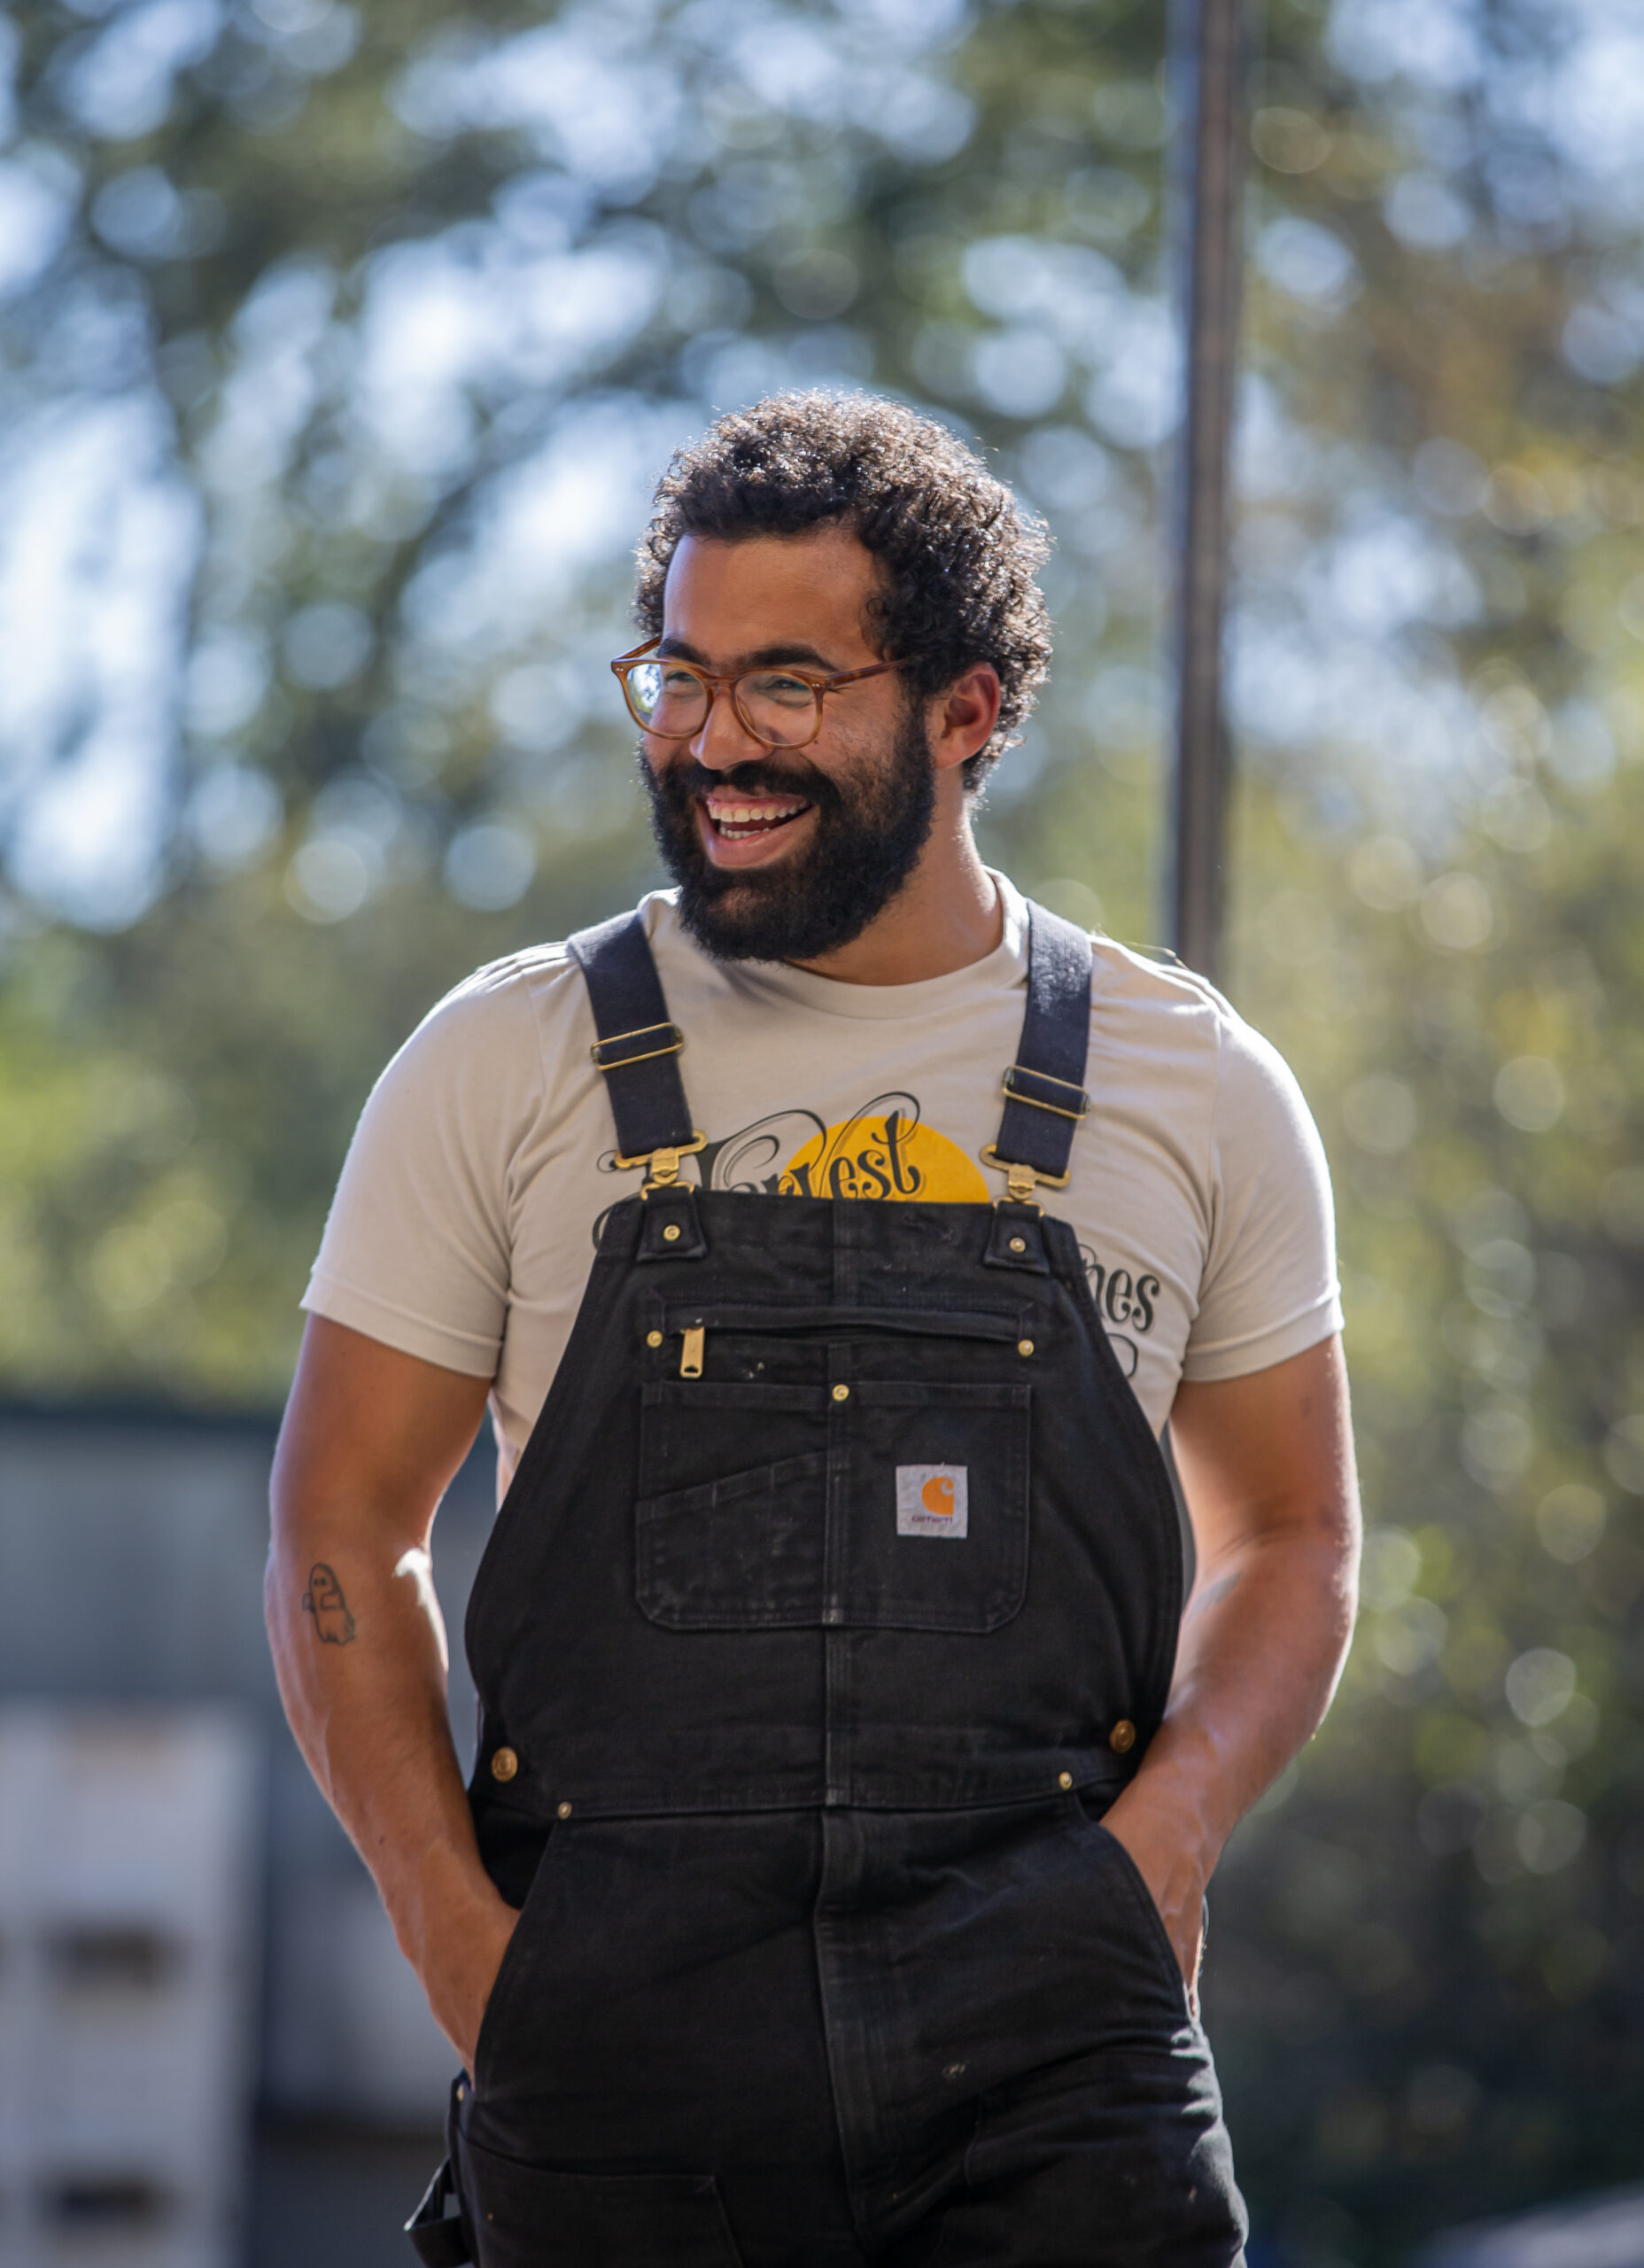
pixel 782 708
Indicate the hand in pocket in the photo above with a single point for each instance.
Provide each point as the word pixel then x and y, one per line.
pixel 1173 1879
pixel 461 1965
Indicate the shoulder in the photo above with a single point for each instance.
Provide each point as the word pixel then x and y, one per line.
pixel 485 1057
pixel 540 985
pixel 1168 1050
pixel 535 993
pixel 519 1026
pixel 1157 1018
pixel 503 990
pixel 1127 979
pixel 1159 1006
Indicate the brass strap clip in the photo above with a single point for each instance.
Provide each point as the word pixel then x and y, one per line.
pixel 645 1032
pixel 1013 1094
pixel 663 1163
pixel 1020 1181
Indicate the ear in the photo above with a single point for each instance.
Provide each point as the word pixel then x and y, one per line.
pixel 962 719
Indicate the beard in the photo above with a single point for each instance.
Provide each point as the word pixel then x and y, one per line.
pixel 868 836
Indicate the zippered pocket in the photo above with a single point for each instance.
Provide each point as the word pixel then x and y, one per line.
pixel 694 1327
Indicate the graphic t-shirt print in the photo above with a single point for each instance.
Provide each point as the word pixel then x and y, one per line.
pixel 883 1150
pixel 886 1150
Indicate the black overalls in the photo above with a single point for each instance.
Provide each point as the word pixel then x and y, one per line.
pixel 834 1599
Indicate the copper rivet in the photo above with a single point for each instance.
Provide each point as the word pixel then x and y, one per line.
pixel 564 1810
pixel 1064 1779
pixel 504 1764
pixel 1018 1244
pixel 670 1234
pixel 842 1394
pixel 652 1338
pixel 1123 1737
pixel 1024 1346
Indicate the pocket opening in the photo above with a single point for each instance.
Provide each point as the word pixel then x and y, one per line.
pixel 1148 1916
pixel 995 1326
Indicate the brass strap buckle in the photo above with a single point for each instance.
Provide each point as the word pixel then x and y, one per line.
pixel 644 1032
pixel 664 1163
pixel 1021 1181
pixel 1013 1094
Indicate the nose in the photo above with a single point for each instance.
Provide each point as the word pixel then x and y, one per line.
pixel 725 741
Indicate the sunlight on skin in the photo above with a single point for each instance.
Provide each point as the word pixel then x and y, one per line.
pixel 418 1565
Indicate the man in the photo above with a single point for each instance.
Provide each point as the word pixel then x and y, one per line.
pixel 843 1739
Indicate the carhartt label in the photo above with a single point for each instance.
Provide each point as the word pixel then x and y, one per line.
pixel 932 1499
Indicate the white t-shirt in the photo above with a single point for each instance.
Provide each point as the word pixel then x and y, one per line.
pixel 465 1220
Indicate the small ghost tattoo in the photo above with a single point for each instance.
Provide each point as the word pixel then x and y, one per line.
pixel 324 1599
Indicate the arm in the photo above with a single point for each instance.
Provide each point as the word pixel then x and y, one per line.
pixel 371 1441
pixel 1266 1466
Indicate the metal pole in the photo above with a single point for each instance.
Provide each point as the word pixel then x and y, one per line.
pixel 1206 73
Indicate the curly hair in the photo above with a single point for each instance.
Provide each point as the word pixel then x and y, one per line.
pixel 956 554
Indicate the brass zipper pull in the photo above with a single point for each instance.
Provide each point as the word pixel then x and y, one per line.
pixel 691 1356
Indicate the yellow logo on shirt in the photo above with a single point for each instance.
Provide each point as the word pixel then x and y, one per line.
pixel 883 1154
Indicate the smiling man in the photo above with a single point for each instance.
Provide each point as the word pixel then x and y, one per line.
pixel 833 1237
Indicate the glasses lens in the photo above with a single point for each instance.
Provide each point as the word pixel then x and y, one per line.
pixel 667 698
pixel 781 709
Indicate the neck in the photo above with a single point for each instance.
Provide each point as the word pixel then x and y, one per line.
pixel 946 915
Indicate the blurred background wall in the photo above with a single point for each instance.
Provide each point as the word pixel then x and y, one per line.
pixel 339 345
pixel 211 2053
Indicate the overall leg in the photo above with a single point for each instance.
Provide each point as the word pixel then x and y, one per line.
pixel 1043 2096
pixel 1118 2161
pixel 652 2082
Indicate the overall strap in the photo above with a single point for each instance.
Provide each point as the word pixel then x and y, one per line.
pixel 638 1047
pixel 1044 1092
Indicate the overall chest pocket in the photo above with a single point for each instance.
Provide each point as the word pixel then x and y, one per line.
pixel 852 1502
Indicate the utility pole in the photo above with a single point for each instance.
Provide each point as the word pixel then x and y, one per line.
pixel 1207 79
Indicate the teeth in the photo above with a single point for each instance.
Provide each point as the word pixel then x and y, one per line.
pixel 741 817
pixel 744 814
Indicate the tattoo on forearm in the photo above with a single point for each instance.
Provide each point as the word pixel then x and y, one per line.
pixel 1216 1593
pixel 334 1625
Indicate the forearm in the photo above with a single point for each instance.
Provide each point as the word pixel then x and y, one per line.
pixel 1262 1647
pixel 1266 1466
pixel 371 1440
pixel 360 1652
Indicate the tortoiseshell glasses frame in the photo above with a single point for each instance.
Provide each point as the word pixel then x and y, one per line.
pixel 818 685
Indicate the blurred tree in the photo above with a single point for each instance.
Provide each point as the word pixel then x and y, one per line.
pixel 337 350
pixel 1434 1981
pixel 340 348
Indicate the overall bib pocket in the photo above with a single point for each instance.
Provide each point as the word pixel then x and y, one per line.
pixel 935 1506
pixel 744 1553
pixel 863 1503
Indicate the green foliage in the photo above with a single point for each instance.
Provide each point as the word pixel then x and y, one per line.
pixel 1433 1986
pixel 1427 1959
pixel 369 701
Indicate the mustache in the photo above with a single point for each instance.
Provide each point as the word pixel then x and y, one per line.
pixel 687 780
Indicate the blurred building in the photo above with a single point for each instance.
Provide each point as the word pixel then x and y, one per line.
pixel 189 1922
pixel 128 1911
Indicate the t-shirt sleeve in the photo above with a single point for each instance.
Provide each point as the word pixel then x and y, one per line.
pixel 416 1247
pixel 1269 1288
